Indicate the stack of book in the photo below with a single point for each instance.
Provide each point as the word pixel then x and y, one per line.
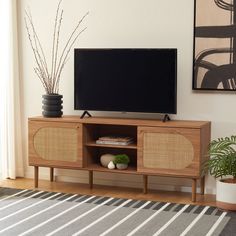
pixel 114 140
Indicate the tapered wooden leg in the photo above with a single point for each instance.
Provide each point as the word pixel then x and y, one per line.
pixel 51 174
pixel 145 183
pixel 203 185
pixel 194 189
pixel 90 179
pixel 36 176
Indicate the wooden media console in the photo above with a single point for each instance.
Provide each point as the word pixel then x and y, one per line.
pixel 172 149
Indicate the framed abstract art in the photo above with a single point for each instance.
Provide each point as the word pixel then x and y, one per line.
pixel 214 66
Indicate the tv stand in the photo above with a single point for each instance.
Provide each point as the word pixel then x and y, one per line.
pixel 166 118
pixel 172 149
pixel 84 114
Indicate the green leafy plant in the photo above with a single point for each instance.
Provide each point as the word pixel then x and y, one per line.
pixel 222 160
pixel 121 159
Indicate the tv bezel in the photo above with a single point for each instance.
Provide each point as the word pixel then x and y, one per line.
pixel 133 111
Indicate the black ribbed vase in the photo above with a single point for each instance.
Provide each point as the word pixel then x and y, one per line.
pixel 52 105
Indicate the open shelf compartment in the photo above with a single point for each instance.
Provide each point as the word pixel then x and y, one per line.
pixel 93 132
pixel 93 154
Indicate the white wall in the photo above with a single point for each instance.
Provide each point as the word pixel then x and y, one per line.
pixel 123 23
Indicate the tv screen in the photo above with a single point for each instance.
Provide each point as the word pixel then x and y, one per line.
pixel 127 80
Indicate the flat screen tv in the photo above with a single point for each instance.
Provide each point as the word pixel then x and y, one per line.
pixel 126 80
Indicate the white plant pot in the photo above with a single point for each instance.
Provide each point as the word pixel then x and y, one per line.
pixel 121 166
pixel 226 195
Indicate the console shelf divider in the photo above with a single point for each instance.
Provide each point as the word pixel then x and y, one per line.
pixel 94 144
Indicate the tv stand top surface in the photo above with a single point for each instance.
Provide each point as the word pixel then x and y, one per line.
pixel 124 121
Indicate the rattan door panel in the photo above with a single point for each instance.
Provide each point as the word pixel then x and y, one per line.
pixel 55 144
pixel 169 150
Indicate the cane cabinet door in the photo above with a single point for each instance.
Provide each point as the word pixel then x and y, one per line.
pixel 169 151
pixel 57 144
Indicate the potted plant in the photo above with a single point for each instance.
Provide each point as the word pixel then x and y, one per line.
pixel 223 164
pixel 121 161
pixel 50 72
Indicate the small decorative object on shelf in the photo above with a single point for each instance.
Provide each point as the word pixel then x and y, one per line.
pixel 114 140
pixel 105 159
pixel 50 73
pixel 111 165
pixel 122 161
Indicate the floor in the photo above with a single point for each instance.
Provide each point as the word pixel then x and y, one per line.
pixel 162 196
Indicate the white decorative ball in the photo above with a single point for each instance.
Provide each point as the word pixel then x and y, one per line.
pixel 111 165
pixel 106 158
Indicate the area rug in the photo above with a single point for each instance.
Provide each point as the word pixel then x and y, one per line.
pixel 29 212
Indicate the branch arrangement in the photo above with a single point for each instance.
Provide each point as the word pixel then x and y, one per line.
pixel 50 75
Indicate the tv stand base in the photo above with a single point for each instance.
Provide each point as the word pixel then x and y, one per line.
pixel 84 114
pixel 145 182
pixel 166 118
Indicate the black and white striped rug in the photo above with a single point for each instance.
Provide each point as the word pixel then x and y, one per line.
pixel 28 212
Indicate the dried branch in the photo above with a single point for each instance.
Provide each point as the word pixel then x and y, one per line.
pixel 36 70
pixel 58 78
pixel 68 41
pixel 57 44
pixel 36 55
pixel 68 51
pixel 54 39
pixel 51 80
pixel 28 14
